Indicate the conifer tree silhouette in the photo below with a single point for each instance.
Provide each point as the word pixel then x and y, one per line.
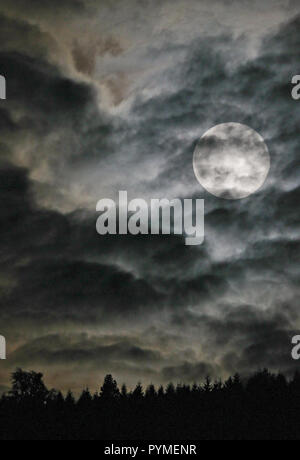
pixel 124 392
pixel 109 389
pixel 161 392
pixel 70 400
pixel 170 390
pixel 138 392
pixel 150 392
pixel 207 386
pixel 85 398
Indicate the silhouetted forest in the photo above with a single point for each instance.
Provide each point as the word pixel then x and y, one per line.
pixel 265 406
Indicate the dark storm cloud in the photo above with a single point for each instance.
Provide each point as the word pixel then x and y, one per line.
pixel 270 349
pixel 80 291
pixel 83 351
pixel 25 230
pixel 48 102
pixel 55 283
pixel 26 38
pixel 245 338
pixel 49 97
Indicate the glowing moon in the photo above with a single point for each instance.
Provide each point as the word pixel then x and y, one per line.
pixel 231 161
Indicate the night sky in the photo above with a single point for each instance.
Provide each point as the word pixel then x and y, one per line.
pixel 109 95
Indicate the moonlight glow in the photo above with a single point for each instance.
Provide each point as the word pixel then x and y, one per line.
pixel 231 161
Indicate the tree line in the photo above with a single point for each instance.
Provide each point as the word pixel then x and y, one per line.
pixel 263 406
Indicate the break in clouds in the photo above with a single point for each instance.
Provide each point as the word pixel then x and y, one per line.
pixel 107 96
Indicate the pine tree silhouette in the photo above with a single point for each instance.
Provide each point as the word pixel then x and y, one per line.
pixel 170 390
pixel 70 400
pixel 150 392
pixel 85 398
pixel 138 392
pixel 124 392
pixel 109 390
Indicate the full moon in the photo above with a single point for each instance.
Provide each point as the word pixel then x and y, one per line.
pixel 231 161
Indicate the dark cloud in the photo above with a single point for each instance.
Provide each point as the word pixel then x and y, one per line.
pixel 48 97
pixel 82 351
pixel 28 39
pixel 80 291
